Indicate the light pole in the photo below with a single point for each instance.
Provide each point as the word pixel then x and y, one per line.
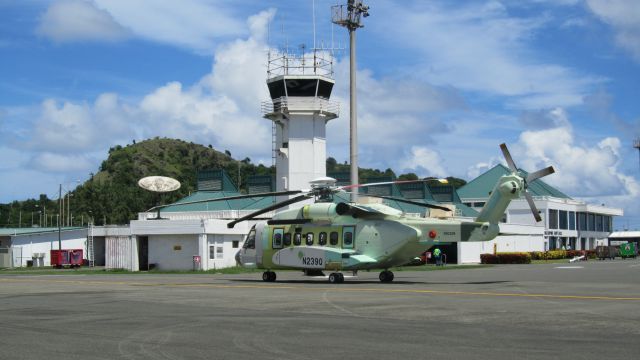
pixel 351 20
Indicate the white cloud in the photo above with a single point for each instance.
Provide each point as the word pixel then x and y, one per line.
pixel 51 162
pixel 70 127
pixel 581 171
pixel 544 119
pixel 624 17
pixel 79 20
pixel 222 109
pixel 424 161
pixel 193 24
pixel 483 48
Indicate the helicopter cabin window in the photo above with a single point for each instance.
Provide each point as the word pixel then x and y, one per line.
pixel 347 237
pixel 297 239
pixel 277 238
pixel 322 238
pixel 309 239
pixel 333 238
pixel 251 240
pixel 287 239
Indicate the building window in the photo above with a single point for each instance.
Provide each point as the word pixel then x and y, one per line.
pixel 553 219
pixel 219 253
pixel 592 222
pixel 599 226
pixel 212 252
pixel 235 244
pixel 607 223
pixel 582 221
pixel 563 220
pixel 572 220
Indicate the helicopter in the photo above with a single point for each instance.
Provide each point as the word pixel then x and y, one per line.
pixel 337 237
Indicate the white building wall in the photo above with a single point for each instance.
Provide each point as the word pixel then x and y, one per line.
pixel 173 252
pixel 521 238
pixel 25 247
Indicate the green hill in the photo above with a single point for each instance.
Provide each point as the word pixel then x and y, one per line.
pixel 112 196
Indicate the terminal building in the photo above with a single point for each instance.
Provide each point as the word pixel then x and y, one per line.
pixel 566 223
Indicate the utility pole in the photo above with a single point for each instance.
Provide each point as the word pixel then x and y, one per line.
pixel 351 20
pixel 60 220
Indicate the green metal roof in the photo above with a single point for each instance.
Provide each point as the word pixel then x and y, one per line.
pixel 34 230
pixel 480 187
pixel 239 204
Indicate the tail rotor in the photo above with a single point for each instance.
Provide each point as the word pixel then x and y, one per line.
pixel 528 179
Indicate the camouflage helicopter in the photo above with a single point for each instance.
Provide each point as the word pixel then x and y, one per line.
pixel 325 236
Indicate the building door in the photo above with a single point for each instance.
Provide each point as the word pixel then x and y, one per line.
pixel 143 253
pixel 583 244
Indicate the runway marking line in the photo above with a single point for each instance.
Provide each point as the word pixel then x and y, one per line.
pixel 335 289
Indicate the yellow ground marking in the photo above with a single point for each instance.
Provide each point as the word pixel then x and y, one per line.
pixel 340 288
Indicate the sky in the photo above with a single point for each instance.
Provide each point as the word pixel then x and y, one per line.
pixel 440 85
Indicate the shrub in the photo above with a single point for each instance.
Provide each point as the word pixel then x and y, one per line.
pixel 506 258
pixel 488 259
pixel 556 254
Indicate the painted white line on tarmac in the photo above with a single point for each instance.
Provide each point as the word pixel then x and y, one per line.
pixel 569 267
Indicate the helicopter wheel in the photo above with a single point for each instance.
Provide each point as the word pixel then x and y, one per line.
pixel 336 278
pixel 386 276
pixel 269 276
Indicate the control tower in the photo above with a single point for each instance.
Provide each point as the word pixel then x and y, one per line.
pixel 300 107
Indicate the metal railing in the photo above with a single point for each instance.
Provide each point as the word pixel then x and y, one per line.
pixel 288 104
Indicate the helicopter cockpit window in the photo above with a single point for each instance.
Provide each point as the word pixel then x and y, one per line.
pixel 277 238
pixel 333 238
pixel 287 239
pixel 322 238
pixel 309 239
pixel 250 243
pixel 297 239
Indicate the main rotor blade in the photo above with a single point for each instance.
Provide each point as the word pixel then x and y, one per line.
pixel 410 202
pixel 235 197
pixel 540 173
pixel 532 206
pixel 296 199
pixel 507 156
pixel 346 187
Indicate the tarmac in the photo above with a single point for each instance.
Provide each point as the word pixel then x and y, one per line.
pixel 584 310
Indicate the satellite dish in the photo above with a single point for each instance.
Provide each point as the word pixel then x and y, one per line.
pixel 159 184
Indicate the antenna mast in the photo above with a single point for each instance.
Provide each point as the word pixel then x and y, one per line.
pixel 636 144
pixel 349 16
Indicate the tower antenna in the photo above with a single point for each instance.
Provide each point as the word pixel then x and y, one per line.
pixel 636 145
pixel 349 16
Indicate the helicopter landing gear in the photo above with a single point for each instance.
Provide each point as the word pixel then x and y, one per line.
pixel 268 276
pixel 386 276
pixel 336 278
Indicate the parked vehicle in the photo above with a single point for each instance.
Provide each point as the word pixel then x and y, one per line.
pixel 628 250
pixel 606 252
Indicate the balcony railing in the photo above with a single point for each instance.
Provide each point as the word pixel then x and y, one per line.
pixel 293 104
